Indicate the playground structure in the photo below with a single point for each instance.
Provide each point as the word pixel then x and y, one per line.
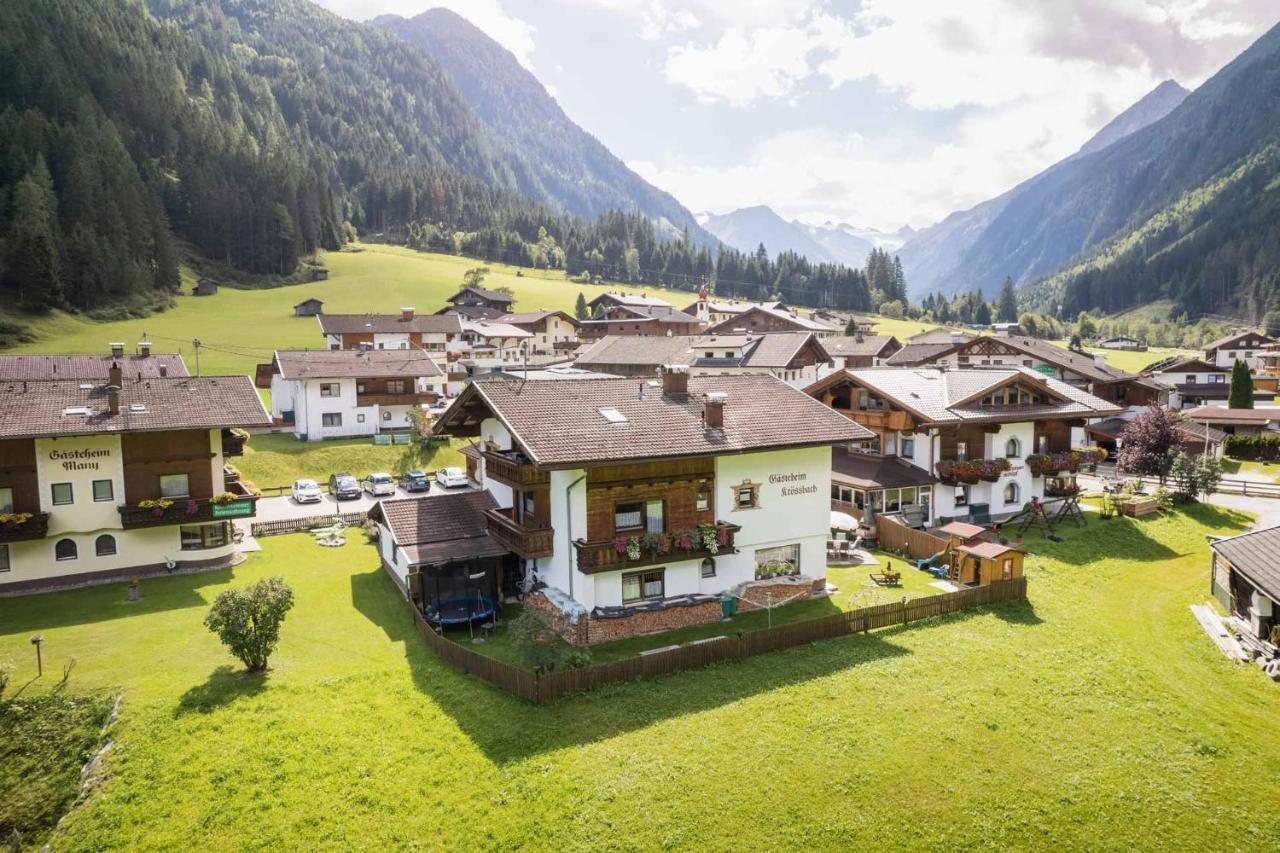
pixel 332 536
pixel 1037 513
pixel 968 557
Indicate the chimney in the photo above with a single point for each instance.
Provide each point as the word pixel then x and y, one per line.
pixel 144 348
pixel 113 399
pixel 675 379
pixel 857 335
pixel 115 376
pixel 164 371
pixel 713 409
pixel 406 313
pixel 117 349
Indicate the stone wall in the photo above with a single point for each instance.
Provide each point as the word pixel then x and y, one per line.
pixel 592 629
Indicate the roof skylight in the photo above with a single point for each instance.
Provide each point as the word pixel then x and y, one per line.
pixel 613 416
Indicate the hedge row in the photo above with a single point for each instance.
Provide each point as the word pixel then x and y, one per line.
pixel 1264 447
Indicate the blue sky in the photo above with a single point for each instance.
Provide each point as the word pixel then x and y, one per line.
pixel 873 112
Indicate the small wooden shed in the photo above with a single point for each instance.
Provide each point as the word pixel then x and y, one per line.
pixel 981 563
pixel 205 287
pixel 319 274
pixel 308 308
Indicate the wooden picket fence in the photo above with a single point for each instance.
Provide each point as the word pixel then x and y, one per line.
pixel 281 526
pixel 900 539
pixel 550 686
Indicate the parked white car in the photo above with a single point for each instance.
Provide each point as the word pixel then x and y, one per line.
pixel 379 484
pixel 452 478
pixel 307 492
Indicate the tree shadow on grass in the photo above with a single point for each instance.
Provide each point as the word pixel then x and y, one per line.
pixel 1017 612
pixel 225 685
pixel 508 729
pixel 87 605
pixel 1116 538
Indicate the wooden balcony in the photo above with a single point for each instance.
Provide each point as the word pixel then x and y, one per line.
pixel 513 469
pixel 411 398
pixel 880 421
pixel 233 442
pixel 35 527
pixel 528 542
pixel 187 511
pixel 596 557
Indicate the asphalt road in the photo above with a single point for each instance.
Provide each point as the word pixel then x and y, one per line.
pixel 276 509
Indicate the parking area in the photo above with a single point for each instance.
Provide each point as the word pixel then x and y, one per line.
pixel 277 509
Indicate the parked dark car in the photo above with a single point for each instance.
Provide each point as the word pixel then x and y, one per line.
pixel 344 487
pixel 415 481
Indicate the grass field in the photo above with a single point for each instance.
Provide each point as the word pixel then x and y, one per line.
pixel 1095 716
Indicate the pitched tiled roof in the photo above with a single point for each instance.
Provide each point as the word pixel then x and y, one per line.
pixel 1077 362
pixel 50 367
pixel 439 528
pixel 639 350
pixel 865 345
pixel 778 349
pixel 914 354
pixel 494 329
pixel 567 423
pixel 947 396
pixel 941 335
pixel 38 409
pixel 487 295
pixel 1255 555
pixel 1223 415
pixel 632 300
pixel 474 312
pixel 358 364
pixel 806 324
pixel 388 324
pixel 1185 365
pixel 766 351
pixel 1235 336
pixel 532 318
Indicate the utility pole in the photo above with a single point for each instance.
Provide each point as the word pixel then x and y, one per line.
pixel 195 342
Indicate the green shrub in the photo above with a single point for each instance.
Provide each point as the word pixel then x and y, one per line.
pixel 539 647
pixel 1265 448
pixel 248 621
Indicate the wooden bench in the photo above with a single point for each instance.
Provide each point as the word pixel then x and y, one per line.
pixel 886 578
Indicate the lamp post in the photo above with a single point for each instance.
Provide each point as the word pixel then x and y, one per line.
pixel 36 641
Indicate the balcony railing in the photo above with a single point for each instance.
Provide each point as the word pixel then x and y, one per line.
pixel 15 528
pixel 413 398
pixel 528 542
pixel 186 511
pixel 879 420
pixel 654 549
pixel 233 442
pixel 513 469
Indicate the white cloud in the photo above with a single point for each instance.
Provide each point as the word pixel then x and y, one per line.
pixel 513 33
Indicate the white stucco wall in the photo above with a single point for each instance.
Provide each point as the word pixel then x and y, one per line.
pixel 107 463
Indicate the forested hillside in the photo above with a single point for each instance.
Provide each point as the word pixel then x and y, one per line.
pixel 570 165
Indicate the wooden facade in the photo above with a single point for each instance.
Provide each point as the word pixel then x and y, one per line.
pixel 18 472
pixel 148 456
pixel 678 484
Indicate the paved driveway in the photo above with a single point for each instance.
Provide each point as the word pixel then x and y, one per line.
pixel 277 509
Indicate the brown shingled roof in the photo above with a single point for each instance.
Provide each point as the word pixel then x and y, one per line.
pixel 1255 555
pixel 359 364
pixel 567 423
pixel 39 409
pixel 389 324
pixel 440 528
pixel 49 367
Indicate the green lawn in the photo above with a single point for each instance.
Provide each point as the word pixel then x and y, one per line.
pixel 278 459
pixel 1096 715
pixel 1237 467
pixel 1134 362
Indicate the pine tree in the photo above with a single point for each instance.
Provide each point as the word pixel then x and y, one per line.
pixel 1241 394
pixel 1007 307
pixel 32 255
pixel 580 309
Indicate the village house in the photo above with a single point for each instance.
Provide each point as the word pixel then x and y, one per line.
pixel 1000 423
pixel 1123 342
pixel 916 354
pixel 758 320
pixel 630 314
pixel 1193 438
pixel 631 506
pixel 860 350
pixel 324 394
pixel 140 364
pixel 1088 372
pixel 492 345
pixel 204 287
pixel 434 333
pixel 1245 579
pixel 1193 382
pixel 712 311
pixel 479 296
pixel 311 307
pixel 841 320
pixel 555 333
pixel 1257 421
pixel 123 477
pixel 1247 345
pixel 793 357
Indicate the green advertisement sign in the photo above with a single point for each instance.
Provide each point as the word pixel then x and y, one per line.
pixel 232 509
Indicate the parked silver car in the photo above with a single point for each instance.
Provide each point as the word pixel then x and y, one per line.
pixel 379 484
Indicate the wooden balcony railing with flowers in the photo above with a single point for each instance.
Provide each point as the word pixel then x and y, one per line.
pixel 631 552
pixel 23 526
pixel 1066 461
pixel 233 442
pixel 158 513
pixel 528 542
pixel 970 471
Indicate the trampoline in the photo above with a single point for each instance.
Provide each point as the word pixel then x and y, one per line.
pixel 461 609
